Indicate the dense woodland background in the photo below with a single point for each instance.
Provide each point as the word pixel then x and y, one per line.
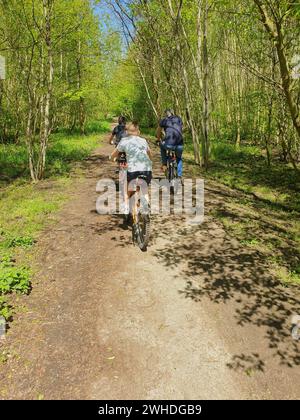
pixel 230 68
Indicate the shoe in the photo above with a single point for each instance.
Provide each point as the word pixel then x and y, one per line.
pixel 127 219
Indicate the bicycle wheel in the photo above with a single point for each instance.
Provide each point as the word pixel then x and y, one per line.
pixel 142 231
pixel 170 172
pixel 176 181
pixel 173 178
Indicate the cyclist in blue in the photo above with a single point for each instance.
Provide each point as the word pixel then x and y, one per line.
pixel 172 126
pixel 119 131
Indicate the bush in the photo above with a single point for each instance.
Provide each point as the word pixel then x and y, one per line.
pixel 13 278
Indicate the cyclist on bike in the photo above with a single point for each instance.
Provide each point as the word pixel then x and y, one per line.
pixel 119 131
pixel 172 127
pixel 139 158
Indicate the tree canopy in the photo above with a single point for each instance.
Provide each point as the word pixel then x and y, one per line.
pixel 230 68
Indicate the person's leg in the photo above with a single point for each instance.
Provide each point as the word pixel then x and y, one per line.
pixel 143 195
pixel 148 182
pixel 179 152
pixel 164 158
pixel 123 185
pixel 131 188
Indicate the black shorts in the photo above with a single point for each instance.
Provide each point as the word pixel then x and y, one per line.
pixel 144 175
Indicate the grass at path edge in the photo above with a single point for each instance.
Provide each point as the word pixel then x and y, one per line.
pixel 26 208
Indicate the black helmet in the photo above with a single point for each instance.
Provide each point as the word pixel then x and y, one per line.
pixel 122 120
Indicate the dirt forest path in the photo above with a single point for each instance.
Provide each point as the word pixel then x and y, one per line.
pixel 196 317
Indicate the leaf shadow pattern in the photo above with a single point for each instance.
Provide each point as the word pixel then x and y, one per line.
pixel 247 363
pixel 115 224
pixel 218 268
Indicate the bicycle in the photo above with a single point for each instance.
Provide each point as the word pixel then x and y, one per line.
pixel 140 217
pixel 122 162
pixel 171 172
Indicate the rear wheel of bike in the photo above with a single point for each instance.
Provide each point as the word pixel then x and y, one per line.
pixel 170 172
pixel 177 180
pixel 173 178
pixel 142 231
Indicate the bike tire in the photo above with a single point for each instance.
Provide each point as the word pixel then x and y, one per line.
pixel 170 172
pixel 172 179
pixel 143 231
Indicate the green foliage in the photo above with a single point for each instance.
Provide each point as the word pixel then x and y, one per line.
pixel 64 149
pixel 125 89
pixel 263 212
pixel 5 310
pixel 250 242
pixel 13 278
pixel 3 357
pixel 245 99
pixel 26 208
pixel 13 161
pixel 20 241
pixel 224 150
pixel 76 95
pixel 245 169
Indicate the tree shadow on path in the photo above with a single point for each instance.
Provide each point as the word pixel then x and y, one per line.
pixel 218 268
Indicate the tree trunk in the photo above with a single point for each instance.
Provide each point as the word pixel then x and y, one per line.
pixel 46 123
pixel 274 28
pixel 79 86
pixel 146 88
pixel 205 141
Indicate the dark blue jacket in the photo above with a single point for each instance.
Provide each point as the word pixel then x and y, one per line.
pixel 119 131
pixel 173 129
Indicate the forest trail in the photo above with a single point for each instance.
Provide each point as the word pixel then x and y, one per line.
pixel 196 317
